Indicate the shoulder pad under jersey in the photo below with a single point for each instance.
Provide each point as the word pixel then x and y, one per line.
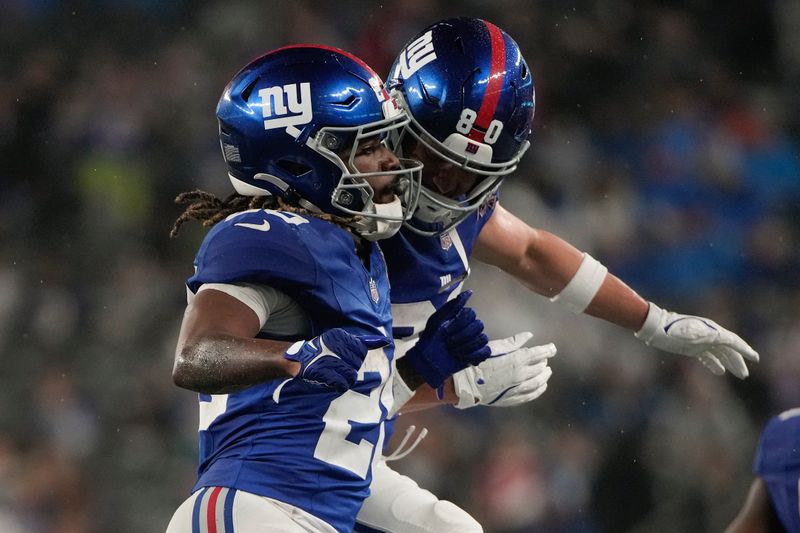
pixel 275 248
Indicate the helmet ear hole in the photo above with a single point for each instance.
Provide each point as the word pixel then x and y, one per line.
pixel 294 168
pixel 249 89
pixel 347 102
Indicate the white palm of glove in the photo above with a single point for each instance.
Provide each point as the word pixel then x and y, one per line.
pixel 513 374
pixel 716 347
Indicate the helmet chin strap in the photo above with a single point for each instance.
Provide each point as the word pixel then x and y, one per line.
pixel 433 208
pixel 389 220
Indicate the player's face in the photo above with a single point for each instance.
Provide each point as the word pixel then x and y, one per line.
pixel 373 156
pixel 442 176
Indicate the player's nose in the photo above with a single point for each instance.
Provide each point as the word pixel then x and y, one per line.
pixel 389 160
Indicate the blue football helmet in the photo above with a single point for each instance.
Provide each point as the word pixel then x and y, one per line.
pixel 289 118
pixel 470 97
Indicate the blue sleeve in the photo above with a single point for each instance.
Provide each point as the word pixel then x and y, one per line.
pixel 242 250
pixel 777 453
pixel 778 465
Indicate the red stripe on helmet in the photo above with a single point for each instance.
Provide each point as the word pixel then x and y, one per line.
pixel 494 84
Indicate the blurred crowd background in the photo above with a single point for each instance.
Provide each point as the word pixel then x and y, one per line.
pixel 666 143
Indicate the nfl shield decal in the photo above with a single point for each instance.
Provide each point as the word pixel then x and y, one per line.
pixel 373 290
pixel 446 241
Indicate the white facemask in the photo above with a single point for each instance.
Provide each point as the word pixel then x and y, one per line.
pixel 375 229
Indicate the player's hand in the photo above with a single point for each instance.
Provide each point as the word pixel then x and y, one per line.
pixel 453 339
pixel 512 375
pixel 332 360
pixel 716 347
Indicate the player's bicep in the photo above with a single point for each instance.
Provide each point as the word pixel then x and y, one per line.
pixel 504 240
pixel 212 312
pixel 540 260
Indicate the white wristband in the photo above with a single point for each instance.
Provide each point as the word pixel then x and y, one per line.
pixel 582 288
pixel 465 390
pixel 651 323
pixel 400 392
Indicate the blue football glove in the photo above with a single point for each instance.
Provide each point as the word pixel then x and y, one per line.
pixel 453 339
pixel 332 360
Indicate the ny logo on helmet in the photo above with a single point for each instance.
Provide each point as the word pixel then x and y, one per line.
pixel 415 56
pixel 289 108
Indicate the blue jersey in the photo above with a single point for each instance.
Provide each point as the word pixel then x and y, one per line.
pixel 286 439
pixel 778 464
pixel 425 271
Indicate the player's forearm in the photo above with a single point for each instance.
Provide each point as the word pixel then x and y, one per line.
pixel 548 263
pixel 408 374
pixel 618 304
pixel 219 364
pixel 411 393
pixel 557 263
pixel 425 397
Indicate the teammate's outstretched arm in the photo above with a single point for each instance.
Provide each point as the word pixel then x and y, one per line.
pixel 552 267
pixel 217 352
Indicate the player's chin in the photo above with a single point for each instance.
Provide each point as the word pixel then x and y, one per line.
pixel 382 184
pixel 385 194
pixel 384 199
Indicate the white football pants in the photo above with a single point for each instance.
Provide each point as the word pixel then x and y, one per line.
pixel 398 505
pixel 224 510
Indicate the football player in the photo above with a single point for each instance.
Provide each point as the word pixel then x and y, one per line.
pixel 285 332
pixel 470 98
pixel 772 503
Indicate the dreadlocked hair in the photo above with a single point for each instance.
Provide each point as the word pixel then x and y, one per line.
pixel 207 209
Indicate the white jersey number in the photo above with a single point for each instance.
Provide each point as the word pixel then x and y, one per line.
pixel 333 446
pixel 210 411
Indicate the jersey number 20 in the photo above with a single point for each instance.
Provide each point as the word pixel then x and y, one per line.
pixel 345 414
